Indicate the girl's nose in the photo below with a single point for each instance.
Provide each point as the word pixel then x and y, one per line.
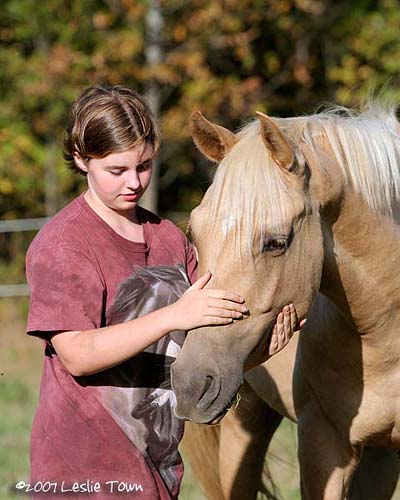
pixel 133 181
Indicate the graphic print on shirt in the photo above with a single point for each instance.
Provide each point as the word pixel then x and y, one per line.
pixel 139 397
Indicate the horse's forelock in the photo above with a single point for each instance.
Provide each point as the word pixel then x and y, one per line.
pixel 249 194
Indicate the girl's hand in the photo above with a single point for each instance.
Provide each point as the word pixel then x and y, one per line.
pixel 284 328
pixel 198 307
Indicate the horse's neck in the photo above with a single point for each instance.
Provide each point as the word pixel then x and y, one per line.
pixel 362 256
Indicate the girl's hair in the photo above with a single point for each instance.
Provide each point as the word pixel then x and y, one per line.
pixel 107 120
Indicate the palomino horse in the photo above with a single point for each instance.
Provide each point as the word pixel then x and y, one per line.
pixel 304 210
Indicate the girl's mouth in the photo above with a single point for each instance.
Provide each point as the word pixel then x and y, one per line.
pixel 131 196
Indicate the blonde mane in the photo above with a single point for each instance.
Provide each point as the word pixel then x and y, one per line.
pixel 250 196
pixel 367 148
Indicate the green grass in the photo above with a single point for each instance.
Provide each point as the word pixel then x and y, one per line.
pixel 282 461
pixel 18 406
pixel 189 487
pixel 19 379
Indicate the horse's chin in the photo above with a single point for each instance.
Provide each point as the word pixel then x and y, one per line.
pixel 187 408
pixel 217 419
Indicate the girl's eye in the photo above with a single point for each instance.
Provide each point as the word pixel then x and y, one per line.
pixel 116 172
pixel 145 166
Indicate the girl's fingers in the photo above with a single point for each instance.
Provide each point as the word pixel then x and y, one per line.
pixel 228 304
pixel 279 330
pixel 225 295
pixel 224 313
pixel 273 345
pixel 293 318
pixel 279 325
pixel 201 282
pixel 216 320
pixel 287 321
pixel 285 335
pixel 303 322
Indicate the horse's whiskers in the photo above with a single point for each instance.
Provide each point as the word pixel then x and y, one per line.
pixel 233 404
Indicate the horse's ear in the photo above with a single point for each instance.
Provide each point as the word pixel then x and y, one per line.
pixel 212 140
pixel 275 141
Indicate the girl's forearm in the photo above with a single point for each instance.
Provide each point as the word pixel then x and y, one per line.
pixel 88 352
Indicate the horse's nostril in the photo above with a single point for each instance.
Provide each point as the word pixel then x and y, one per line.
pixel 207 384
pixel 210 392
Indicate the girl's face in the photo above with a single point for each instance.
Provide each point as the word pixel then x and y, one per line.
pixel 119 180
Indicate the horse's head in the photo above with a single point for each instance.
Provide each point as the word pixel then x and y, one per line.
pixel 258 230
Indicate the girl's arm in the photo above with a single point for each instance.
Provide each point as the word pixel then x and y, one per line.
pixel 90 351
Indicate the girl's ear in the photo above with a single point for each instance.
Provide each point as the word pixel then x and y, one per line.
pixel 80 163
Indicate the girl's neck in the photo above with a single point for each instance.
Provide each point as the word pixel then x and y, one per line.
pixel 124 223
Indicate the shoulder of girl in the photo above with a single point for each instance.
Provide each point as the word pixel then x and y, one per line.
pixel 66 220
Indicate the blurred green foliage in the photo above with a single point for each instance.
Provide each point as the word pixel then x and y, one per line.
pixel 228 58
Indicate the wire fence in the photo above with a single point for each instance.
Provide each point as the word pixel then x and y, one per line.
pixel 13 226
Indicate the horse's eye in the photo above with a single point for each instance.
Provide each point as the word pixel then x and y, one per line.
pixel 278 245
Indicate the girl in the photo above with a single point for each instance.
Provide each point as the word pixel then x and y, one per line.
pixel 82 439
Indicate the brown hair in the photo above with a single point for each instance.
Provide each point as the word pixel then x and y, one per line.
pixel 106 120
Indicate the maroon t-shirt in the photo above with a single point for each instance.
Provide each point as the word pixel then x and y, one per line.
pixel 80 433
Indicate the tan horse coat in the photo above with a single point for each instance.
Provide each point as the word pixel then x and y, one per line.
pixel 345 368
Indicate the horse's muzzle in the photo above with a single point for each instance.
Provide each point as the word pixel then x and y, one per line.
pixel 203 395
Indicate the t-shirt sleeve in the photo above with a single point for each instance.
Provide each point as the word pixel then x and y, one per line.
pixel 66 292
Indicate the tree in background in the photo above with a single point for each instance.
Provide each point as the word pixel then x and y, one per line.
pixel 228 58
